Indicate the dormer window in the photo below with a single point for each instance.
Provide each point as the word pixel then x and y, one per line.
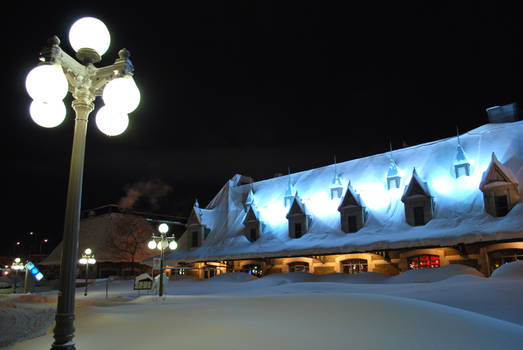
pixel 500 188
pixel 336 187
pixel 249 200
pixel 352 211
pixel 252 225
pixel 462 170
pixel 418 202
pixel 299 219
pixel 196 231
pixel 393 177
pixel 289 194
pixel 393 182
pixel 461 164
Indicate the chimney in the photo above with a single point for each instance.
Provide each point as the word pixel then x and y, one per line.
pixel 503 114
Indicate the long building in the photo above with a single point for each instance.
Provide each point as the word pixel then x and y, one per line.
pixel 451 201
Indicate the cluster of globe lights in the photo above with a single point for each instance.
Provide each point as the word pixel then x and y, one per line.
pixel 47 85
pixel 87 258
pixel 163 243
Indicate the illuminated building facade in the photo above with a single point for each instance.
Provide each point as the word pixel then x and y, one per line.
pixel 451 201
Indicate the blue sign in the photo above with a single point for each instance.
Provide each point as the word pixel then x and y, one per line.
pixel 34 271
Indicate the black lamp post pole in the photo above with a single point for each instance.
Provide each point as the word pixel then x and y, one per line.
pixel 64 329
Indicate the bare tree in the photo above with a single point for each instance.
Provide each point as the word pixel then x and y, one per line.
pixel 128 237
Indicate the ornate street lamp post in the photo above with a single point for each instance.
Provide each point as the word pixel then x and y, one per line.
pixel 17 265
pixel 48 84
pixel 87 259
pixel 162 242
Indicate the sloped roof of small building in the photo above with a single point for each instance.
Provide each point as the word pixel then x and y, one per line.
pixel 93 234
pixel 459 215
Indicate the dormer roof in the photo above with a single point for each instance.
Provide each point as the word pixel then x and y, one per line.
pixel 252 215
pixel 416 187
pixel 497 174
pixel 351 198
pixel 297 207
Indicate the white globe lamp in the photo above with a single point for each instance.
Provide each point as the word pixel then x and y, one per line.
pixel 151 244
pixel 111 122
pixel 89 33
pixel 173 245
pixel 47 114
pixel 163 228
pixel 122 94
pixel 46 82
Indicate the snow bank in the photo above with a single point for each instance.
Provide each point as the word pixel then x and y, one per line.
pixel 434 275
pixel 288 322
pixel 513 270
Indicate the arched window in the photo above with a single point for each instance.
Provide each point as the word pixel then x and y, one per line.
pixel 299 266
pixel 500 257
pixel 354 266
pixel 424 262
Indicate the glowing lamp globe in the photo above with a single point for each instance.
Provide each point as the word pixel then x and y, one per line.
pixel 111 122
pixel 17 260
pixel 88 251
pixel 173 245
pixel 83 261
pixel 91 261
pixel 46 82
pixel 47 114
pixel 163 228
pixel 89 33
pixel 151 244
pixel 163 244
pixel 122 94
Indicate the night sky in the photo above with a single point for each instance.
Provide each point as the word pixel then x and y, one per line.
pixel 252 88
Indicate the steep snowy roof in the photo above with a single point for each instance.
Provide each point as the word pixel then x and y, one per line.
pixel 459 215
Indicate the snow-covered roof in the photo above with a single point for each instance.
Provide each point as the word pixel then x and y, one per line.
pixel 459 215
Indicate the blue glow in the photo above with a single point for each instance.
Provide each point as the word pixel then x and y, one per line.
pixel 273 212
pixel 30 266
pixel 373 194
pixel 39 276
pixel 321 204
pixel 446 184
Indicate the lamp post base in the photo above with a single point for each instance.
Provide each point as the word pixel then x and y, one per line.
pixel 64 332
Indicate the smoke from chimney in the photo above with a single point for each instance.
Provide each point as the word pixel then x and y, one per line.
pixel 150 191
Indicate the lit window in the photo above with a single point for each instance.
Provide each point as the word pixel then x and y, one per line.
pixel 354 266
pixel 299 266
pixel 253 269
pixel 500 257
pixel 424 262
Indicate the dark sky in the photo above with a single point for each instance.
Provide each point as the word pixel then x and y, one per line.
pixel 252 88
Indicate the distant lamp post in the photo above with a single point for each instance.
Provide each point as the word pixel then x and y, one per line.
pixel 48 84
pixel 45 240
pixel 87 259
pixel 17 265
pixel 162 242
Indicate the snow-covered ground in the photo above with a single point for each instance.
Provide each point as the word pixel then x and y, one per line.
pixel 453 307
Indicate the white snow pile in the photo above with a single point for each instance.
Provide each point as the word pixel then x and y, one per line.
pixel 513 270
pixel 453 307
pixel 434 275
